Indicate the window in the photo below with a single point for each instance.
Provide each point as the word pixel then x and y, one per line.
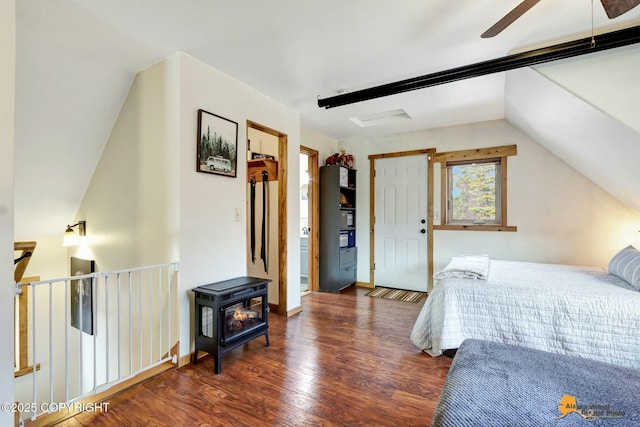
pixel 474 189
pixel 473 192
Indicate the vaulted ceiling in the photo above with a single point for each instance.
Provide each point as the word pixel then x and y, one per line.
pixel 76 60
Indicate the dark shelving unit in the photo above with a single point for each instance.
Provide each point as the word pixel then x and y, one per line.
pixel 338 251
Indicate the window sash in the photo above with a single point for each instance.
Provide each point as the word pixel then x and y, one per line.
pixel 497 192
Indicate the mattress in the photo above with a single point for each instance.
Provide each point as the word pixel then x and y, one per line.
pixel 580 311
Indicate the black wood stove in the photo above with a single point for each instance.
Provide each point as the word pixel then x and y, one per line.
pixel 229 314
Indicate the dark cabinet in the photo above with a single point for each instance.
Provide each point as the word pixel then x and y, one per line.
pixel 338 252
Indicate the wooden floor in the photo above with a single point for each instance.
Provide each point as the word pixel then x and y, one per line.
pixel 345 360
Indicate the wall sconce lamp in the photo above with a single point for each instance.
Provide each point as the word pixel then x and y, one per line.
pixel 70 237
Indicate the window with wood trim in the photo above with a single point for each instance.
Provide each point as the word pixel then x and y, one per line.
pixel 474 189
pixel 473 192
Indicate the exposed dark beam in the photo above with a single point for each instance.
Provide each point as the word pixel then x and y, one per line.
pixel 570 49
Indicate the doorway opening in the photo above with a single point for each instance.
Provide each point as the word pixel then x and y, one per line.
pixel 309 221
pixel 267 165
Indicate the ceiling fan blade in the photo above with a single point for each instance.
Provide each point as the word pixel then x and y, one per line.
pixel 615 8
pixel 508 19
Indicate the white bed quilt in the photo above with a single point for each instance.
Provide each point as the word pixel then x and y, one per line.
pixel 581 311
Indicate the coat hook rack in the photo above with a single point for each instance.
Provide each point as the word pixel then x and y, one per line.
pixel 256 166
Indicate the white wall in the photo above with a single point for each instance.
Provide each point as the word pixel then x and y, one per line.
pixel 146 203
pixel 131 205
pixel 131 209
pixel 323 144
pixel 262 142
pixel 561 216
pixel 7 102
pixel 212 244
pixel 49 260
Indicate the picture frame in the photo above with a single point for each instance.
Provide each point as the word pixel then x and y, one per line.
pixel 81 295
pixel 217 145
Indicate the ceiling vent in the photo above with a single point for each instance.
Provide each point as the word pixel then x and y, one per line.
pixel 383 118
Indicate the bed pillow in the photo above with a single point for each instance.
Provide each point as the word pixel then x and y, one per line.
pixel 626 265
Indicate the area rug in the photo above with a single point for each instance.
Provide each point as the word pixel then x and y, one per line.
pixel 396 294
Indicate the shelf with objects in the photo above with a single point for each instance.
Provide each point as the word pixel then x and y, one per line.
pixel 338 251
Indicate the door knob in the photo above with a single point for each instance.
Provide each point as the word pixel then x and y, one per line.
pixel 423 231
pixel 423 221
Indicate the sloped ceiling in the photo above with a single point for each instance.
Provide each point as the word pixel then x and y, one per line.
pixel 586 114
pixel 76 60
pixel 71 81
pixel 609 81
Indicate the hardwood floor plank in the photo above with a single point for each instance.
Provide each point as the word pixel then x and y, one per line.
pixel 346 359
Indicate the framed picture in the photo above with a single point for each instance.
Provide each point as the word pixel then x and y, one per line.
pixel 217 144
pixel 81 295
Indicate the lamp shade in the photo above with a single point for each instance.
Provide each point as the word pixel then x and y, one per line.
pixel 70 238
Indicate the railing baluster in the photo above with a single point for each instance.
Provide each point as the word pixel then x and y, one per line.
pixel 130 330
pixel 169 307
pixel 94 324
pixel 81 319
pixel 160 322
pixel 106 334
pixel 140 316
pixel 33 354
pixel 161 311
pixel 150 318
pixel 50 342
pixel 66 339
pixel 118 334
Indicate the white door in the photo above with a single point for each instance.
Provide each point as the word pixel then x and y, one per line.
pixel 400 239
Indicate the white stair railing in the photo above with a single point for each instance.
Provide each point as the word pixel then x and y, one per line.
pixel 129 324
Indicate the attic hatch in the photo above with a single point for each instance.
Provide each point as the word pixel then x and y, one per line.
pixel 382 118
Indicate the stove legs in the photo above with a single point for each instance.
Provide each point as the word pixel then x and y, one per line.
pixel 217 360
pixel 217 355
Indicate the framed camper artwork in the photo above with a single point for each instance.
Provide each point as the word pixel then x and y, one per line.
pixel 81 295
pixel 217 144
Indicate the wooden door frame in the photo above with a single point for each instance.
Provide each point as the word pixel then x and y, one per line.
pixel 429 152
pixel 314 209
pixel 282 211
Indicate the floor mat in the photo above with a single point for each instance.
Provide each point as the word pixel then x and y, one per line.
pixel 397 294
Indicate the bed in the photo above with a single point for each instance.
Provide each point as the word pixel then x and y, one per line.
pixel 581 311
pixel 494 384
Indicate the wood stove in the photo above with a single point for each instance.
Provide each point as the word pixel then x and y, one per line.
pixel 229 314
